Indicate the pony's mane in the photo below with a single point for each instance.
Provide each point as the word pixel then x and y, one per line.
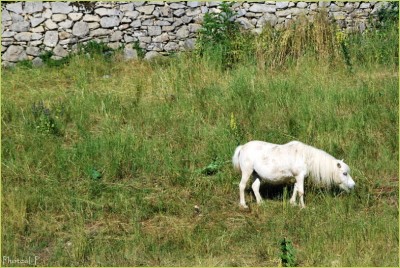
pixel 321 165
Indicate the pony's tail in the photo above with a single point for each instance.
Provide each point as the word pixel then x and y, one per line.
pixel 235 158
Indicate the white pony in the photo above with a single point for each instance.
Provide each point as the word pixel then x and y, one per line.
pixel 278 164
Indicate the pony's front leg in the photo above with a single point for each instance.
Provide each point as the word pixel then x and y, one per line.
pixel 300 188
pixel 294 195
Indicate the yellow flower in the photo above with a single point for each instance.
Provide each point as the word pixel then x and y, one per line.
pixel 233 124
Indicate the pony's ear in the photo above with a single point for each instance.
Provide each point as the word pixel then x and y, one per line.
pixel 338 165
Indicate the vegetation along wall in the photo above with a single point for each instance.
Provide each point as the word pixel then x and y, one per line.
pixel 158 27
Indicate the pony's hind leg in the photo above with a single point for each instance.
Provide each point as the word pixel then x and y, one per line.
pixel 242 186
pixel 256 188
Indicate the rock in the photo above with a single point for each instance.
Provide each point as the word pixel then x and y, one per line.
pixel 126 7
pixel 5 16
pixel 162 23
pixel 183 32
pixel 179 12
pixel 39 29
pixel 109 22
pixel 365 5
pixel 114 45
pixel 116 36
pixel 130 53
pixel 245 23
pixel 7 34
pixel 267 18
pixel 214 4
pixel 22 26
pixel 36 21
pixel 64 35
pixel 132 14
pixel 193 12
pixel 302 4
pixel 50 38
pixel 16 18
pixel 61 7
pixel 154 30
pixel 282 5
pixel 194 27
pixel 35 43
pixel 256 31
pixel 36 36
pixel 334 8
pixel 67 24
pixel 59 51
pixel 33 51
pixel 58 17
pixel 313 6
pixel 147 10
pixel 15 7
pixel 138 3
pixel 75 16
pixel 158 3
pixel 189 44
pixel 177 6
pixel 193 4
pixel 339 15
pixel 165 11
pixel 152 55
pixel 262 8
pixel 93 25
pixel 107 12
pixel 47 14
pixel 136 23
pixel 171 46
pixel 283 13
pixel 324 4
pixel 33 7
pixel 80 29
pixel 164 37
pixel 37 62
pixel 145 39
pixel 91 18
pixel 24 36
pixel 49 24
pixel 14 54
pixel 148 22
pixel 100 32
pixel 168 28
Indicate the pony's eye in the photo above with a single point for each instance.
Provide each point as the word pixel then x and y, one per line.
pixel 345 173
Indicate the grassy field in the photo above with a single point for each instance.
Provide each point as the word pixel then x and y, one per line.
pixel 104 161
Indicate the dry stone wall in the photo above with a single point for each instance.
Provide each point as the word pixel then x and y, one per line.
pixel 159 27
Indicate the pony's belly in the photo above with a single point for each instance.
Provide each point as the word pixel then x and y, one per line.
pixel 276 177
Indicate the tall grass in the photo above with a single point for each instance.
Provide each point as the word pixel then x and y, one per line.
pixel 120 183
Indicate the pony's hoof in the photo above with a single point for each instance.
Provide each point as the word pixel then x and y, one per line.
pixel 243 206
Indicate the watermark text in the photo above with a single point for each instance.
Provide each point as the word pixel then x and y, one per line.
pixel 30 261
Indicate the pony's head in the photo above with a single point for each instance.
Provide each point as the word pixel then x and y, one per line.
pixel 344 180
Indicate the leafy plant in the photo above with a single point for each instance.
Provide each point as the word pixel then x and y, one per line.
pixel 220 34
pixel 214 167
pixel 288 253
pixel 45 120
pixel 140 51
pixel 47 58
pixel 388 14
